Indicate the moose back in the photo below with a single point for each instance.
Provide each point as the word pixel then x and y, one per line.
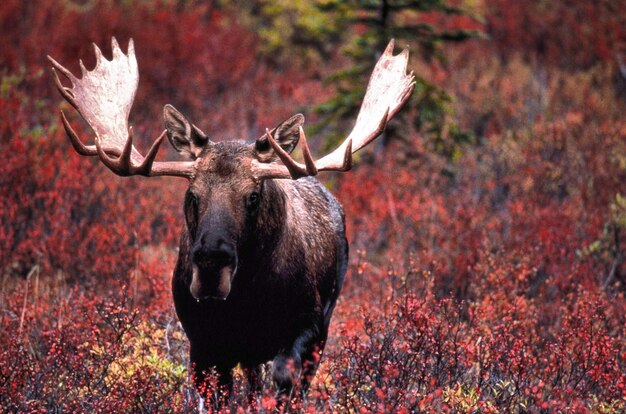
pixel 263 253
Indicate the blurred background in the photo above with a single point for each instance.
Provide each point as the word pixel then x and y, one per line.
pixel 486 226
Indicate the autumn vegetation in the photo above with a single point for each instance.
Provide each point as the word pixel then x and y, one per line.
pixel 487 228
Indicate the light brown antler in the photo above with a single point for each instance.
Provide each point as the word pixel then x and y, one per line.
pixel 103 97
pixel 388 90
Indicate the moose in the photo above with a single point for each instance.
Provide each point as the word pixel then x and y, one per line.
pixel 263 252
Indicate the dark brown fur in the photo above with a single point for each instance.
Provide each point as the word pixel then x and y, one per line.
pixel 257 276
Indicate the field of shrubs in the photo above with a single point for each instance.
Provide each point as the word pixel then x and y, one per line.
pixel 487 275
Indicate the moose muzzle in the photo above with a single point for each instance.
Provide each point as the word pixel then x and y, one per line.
pixel 214 263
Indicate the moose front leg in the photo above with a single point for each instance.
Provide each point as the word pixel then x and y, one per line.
pixel 300 361
pixel 201 369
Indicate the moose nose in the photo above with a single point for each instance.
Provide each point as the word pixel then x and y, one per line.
pixel 213 251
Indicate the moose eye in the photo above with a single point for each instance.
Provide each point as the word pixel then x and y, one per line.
pixel 191 211
pixel 253 200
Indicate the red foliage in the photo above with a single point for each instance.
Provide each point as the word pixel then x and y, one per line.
pixel 492 282
pixel 569 34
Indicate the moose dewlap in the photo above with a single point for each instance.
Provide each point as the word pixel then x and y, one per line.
pixel 263 253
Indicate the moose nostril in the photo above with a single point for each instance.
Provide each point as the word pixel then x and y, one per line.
pixel 225 247
pixel 205 240
pixel 213 252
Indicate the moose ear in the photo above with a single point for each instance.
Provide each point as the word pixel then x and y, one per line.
pixel 185 137
pixel 286 134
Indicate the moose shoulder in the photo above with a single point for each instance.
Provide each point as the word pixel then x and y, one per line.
pixel 263 253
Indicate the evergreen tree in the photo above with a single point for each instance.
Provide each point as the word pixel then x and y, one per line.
pixel 308 33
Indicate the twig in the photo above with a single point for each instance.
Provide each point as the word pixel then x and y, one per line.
pixel 617 259
pixel 35 269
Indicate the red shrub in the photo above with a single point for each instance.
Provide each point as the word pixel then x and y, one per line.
pixel 569 34
pixel 491 281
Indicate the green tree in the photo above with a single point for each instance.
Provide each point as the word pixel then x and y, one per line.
pixel 295 32
pixel 374 23
pixel 307 33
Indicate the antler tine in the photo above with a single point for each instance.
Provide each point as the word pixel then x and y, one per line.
pixel 123 165
pixel 311 168
pixel 388 90
pixel 112 163
pixel 389 49
pixel 78 145
pixel 296 170
pixel 98 54
pixel 347 157
pixel 148 161
pixel 56 65
pixel 124 158
pixel 103 96
pixel 64 90
pixel 115 47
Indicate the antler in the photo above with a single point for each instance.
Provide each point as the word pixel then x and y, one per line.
pixel 388 90
pixel 103 97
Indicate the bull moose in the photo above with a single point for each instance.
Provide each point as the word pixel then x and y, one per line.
pixel 263 253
